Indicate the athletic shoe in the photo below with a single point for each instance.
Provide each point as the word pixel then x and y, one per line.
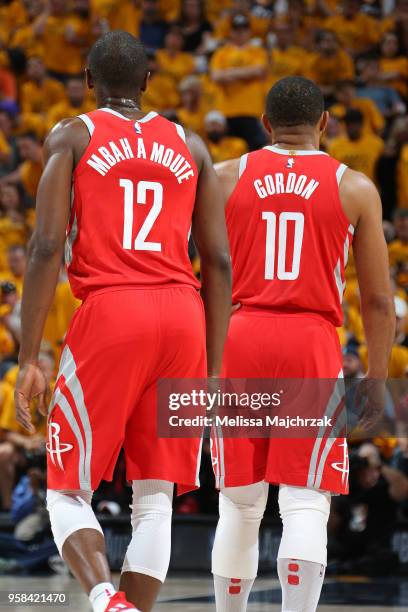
pixel 118 603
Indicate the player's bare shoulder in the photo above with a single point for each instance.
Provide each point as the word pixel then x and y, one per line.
pixel 358 195
pixel 68 134
pixel 228 173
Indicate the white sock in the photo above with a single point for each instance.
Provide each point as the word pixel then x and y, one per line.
pixel 100 596
pixel 231 594
pixel 301 583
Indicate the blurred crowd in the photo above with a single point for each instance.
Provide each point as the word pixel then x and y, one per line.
pixel 211 64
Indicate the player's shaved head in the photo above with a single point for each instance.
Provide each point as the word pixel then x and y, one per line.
pixel 294 101
pixel 117 63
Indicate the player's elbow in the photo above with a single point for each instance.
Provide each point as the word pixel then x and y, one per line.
pixel 381 304
pixel 220 262
pixel 45 247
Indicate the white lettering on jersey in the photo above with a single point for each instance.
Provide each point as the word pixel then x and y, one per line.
pixel 113 153
pixel 292 183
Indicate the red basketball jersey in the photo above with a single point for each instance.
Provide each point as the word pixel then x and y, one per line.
pixel 133 197
pixel 288 233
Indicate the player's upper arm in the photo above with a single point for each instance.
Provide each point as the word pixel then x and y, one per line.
pixel 362 205
pixel 209 227
pixel 227 172
pixel 54 191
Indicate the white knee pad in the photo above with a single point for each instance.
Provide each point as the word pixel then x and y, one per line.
pixel 70 511
pixel 236 552
pixel 149 550
pixel 304 514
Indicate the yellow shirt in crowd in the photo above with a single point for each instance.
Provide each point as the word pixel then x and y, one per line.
pixel 62 55
pixel 11 233
pixel 284 63
pixel 193 121
pixel 397 364
pixel 64 110
pixel 329 70
pixel 37 98
pixel 400 65
pixel 161 93
pixel 361 155
pixel 355 34
pixel 60 315
pixel 397 252
pixel 177 66
pixel 243 97
pixel 402 178
pixel 373 119
pixel 228 148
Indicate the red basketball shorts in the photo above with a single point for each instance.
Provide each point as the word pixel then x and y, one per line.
pixel 120 343
pixel 265 345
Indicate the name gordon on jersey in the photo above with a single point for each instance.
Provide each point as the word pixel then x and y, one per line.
pixel 115 152
pixel 299 185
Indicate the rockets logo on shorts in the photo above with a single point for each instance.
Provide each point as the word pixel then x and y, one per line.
pixel 54 447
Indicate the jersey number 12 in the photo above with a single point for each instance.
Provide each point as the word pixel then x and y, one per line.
pixel 143 187
pixel 270 256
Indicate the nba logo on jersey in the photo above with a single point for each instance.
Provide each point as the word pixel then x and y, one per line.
pixel 138 128
pixel 290 162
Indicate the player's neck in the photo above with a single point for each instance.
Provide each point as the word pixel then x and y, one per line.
pixel 300 138
pixel 129 107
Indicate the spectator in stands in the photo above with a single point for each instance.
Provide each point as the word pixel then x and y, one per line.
pixel 8 85
pixel 286 58
pixel 352 365
pixel 363 521
pixel 386 99
pixel 172 60
pixel 398 248
pixel 221 146
pixel 193 108
pixel 346 98
pixel 16 266
pixel 195 27
pixel 13 223
pixel 393 65
pixel 152 29
pixel 329 63
pixel 40 92
pixel 258 25
pixel 161 94
pixel 22 35
pixel 357 31
pixel 76 102
pixel 239 69
pixel 64 37
pixel 17 446
pixel 356 150
pixel 9 160
pixel 29 171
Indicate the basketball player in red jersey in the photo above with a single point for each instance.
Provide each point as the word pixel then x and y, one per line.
pixel 138 185
pixel 292 213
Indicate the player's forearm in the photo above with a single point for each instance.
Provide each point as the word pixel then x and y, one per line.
pixel 216 295
pixel 39 287
pixel 379 325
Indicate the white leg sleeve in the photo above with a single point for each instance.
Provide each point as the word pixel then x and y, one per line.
pixel 235 553
pixel 70 511
pixel 149 550
pixel 304 514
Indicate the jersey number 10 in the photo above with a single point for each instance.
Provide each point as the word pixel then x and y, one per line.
pixel 270 256
pixel 142 188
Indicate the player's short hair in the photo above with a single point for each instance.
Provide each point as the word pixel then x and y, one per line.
pixel 294 101
pixel 118 61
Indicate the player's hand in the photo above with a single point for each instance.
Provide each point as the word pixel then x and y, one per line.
pixel 31 383
pixel 370 401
